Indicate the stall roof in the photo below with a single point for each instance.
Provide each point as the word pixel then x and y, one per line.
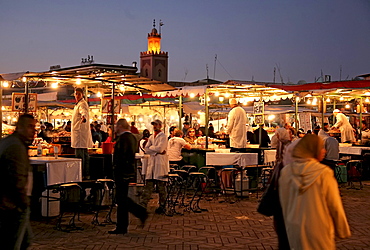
pixel 338 88
pixel 252 91
pixel 95 76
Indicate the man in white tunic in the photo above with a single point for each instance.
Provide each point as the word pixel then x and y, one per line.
pixel 236 127
pixel 158 167
pixel 81 138
pixel 346 130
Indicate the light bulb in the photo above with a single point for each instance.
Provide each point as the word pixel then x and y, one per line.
pixel 341 98
pixel 309 101
pixel 54 85
pixel 98 94
pixel 191 95
pixel 347 106
pixel 221 98
pixel 78 81
pixel 227 95
pixel 328 99
pixel 5 84
pixel 217 93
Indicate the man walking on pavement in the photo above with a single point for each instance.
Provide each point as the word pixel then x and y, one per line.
pixel 16 185
pixel 123 171
pixel 158 167
pixel 81 138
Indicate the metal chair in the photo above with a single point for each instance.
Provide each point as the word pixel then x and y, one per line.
pixel 107 199
pixel 71 198
pixel 354 170
pixel 227 177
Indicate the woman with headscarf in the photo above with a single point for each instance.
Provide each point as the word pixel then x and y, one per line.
pixel 310 200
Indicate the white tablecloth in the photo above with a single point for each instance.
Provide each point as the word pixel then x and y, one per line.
pixel 224 159
pixel 61 170
pixel 352 150
pixel 269 156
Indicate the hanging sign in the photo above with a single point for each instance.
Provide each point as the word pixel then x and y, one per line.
pixel 258 112
pixel 258 108
pixel 107 106
pixel 19 102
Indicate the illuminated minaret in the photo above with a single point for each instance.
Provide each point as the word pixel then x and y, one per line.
pixel 154 62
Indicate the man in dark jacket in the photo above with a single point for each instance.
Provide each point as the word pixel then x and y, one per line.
pixel 16 185
pixel 123 171
pixel 264 137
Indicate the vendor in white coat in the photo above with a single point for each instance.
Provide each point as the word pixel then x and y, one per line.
pixel 81 138
pixel 236 126
pixel 346 130
pixel 158 167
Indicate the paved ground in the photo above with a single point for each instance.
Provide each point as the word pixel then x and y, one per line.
pixel 224 226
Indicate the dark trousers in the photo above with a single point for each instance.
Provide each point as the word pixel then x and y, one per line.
pixel 126 205
pixel 83 154
pixel 15 229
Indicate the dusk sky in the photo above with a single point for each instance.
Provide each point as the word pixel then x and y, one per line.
pixel 250 37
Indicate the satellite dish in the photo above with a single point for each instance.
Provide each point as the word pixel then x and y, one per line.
pixel 301 82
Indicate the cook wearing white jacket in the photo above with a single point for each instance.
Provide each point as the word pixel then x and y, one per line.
pixel 81 138
pixel 346 130
pixel 236 126
pixel 158 167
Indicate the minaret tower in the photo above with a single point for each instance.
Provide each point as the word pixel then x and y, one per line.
pixel 154 62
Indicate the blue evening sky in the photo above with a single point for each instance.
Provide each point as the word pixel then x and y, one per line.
pixel 250 37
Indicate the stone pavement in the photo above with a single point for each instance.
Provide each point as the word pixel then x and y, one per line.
pixel 224 226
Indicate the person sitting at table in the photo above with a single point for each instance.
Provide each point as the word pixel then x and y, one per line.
pixel 323 132
pixel 109 134
pixel 100 135
pixel 175 145
pixel 265 139
pixel 331 146
pixel 190 137
pixel 171 131
pixel 365 134
pixel 200 132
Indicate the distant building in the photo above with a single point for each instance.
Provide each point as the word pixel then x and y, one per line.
pixel 154 62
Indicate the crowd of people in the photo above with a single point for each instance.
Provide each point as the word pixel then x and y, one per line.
pixel 304 161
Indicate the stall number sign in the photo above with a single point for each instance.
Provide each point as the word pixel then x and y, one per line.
pixel 258 110
pixel 19 104
pixel 107 106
